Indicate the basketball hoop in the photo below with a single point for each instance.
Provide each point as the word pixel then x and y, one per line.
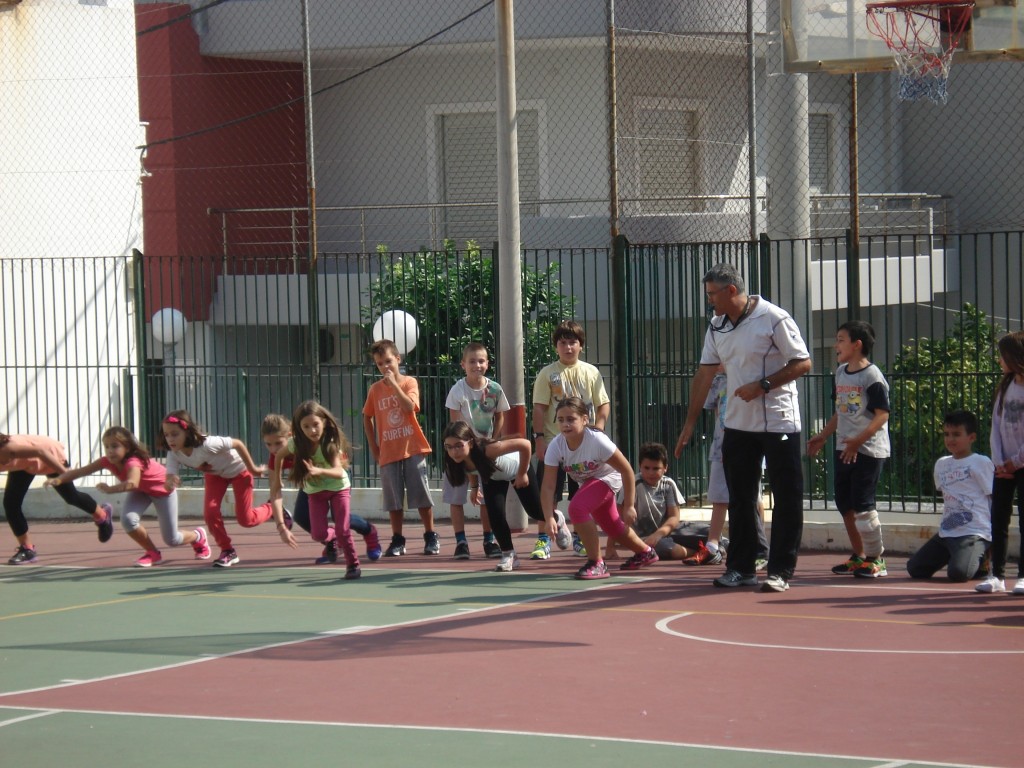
pixel 922 35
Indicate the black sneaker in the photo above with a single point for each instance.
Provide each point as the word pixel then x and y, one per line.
pixel 330 553
pixel 492 549
pixel 397 546
pixel 22 556
pixel 106 528
pixel 431 544
pixel 461 550
pixel 353 572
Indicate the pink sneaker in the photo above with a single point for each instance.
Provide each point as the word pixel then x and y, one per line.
pixel 148 559
pixel 201 545
pixel 641 560
pixel 593 570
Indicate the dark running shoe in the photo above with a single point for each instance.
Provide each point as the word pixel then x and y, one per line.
pixel 106 527
pixel 396 548
pixel 736 579
pixel 330 554
pixel 461 550
pixel 850 566
pixel 23 556
pixel 353 572
pixel 492 549
pixel 640 560
pixel 228 557
pixel 431 544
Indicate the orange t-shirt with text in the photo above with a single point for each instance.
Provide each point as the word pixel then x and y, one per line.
pixel 398 432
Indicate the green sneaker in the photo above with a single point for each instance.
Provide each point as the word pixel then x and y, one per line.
pixel 872 569
pixel 577 546
pixel 851 565
pixel 541 550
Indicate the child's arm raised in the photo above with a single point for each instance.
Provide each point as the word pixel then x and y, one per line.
pixel 69 475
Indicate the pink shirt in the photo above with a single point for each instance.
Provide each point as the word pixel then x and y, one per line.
pixel 153 476
pixel 40 455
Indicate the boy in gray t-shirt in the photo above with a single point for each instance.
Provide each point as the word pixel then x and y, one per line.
pixel 860 423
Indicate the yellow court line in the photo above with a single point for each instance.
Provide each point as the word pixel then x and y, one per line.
pixel 88 605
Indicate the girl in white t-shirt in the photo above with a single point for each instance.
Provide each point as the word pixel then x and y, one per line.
pixel 591 459
pixel 224 461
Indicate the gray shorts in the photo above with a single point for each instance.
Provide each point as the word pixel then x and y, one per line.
pixel 407 478
pixel 457 495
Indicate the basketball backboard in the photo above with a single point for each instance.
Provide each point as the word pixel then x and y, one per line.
pixel 832 36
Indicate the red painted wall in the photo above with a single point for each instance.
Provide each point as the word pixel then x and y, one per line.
pixel 258 162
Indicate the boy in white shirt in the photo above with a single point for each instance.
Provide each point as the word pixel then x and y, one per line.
pixel 481 403
pixel 965 480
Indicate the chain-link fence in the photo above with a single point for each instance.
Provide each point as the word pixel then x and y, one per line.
pixel 222 138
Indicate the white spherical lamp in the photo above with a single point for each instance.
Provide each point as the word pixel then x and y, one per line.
pixel 169 326
pixel 398 326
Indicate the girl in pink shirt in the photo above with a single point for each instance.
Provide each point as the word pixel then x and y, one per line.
pixel 23 457
pixel 144 481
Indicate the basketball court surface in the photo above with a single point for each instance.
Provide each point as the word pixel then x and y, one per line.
pixel 431 661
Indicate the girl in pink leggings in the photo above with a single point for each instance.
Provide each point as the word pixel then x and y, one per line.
pixel 591 459
pixel 224 461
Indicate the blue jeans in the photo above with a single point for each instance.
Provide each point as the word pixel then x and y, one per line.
pixel 742 456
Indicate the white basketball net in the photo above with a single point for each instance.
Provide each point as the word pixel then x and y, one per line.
pixel 923 50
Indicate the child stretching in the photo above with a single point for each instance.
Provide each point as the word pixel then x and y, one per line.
pixel 142 480
pixel 491 465
pixel 276 431
pixel 223 461
pixel 25 456
pixel 321 453
pixel 593 461
pixel 1007 443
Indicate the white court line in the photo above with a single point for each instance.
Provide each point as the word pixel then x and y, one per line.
pixel 662 626
pixel 33 716
pixel 884 762
pixel 457 612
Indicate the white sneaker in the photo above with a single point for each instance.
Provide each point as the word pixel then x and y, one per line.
pixel 563 536
pixel 1018 588
pixel 991 584
pixel 509 562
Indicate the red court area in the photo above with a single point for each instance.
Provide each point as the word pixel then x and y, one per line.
pixel 888 669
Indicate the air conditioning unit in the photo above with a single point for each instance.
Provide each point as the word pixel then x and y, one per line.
pixel 333 345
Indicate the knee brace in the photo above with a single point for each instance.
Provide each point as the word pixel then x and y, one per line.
pixel 870 529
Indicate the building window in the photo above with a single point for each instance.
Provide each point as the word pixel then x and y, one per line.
pixel 467 172
pixel 666 155
pixel 820 153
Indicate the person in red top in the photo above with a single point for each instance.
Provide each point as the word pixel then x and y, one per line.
pixel 143 481
pixel 23 457
pixel 397 443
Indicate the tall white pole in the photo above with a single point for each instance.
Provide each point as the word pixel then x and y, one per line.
pixel 510 296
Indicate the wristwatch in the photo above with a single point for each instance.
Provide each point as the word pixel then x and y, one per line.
pixel 766 385
pixel 538 435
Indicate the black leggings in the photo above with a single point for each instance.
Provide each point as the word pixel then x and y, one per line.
pixel 495 492
pixel 18 483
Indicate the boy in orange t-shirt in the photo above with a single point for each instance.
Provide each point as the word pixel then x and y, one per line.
pixel 397 443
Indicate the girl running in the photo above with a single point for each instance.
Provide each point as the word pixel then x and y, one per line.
pixel 1007 442
pixel 23 457
pixel 490 466
pixel 321 453
pixel 143 480
pixel 223 461
pixel 592 460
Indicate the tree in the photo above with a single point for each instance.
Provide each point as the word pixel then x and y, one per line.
pixel 452 296
pixel 931 377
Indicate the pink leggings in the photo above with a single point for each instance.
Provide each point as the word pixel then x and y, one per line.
pixel 596 501
pixel 246 514
pixel 337 504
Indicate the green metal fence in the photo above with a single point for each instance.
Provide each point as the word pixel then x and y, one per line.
pixel 261 335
